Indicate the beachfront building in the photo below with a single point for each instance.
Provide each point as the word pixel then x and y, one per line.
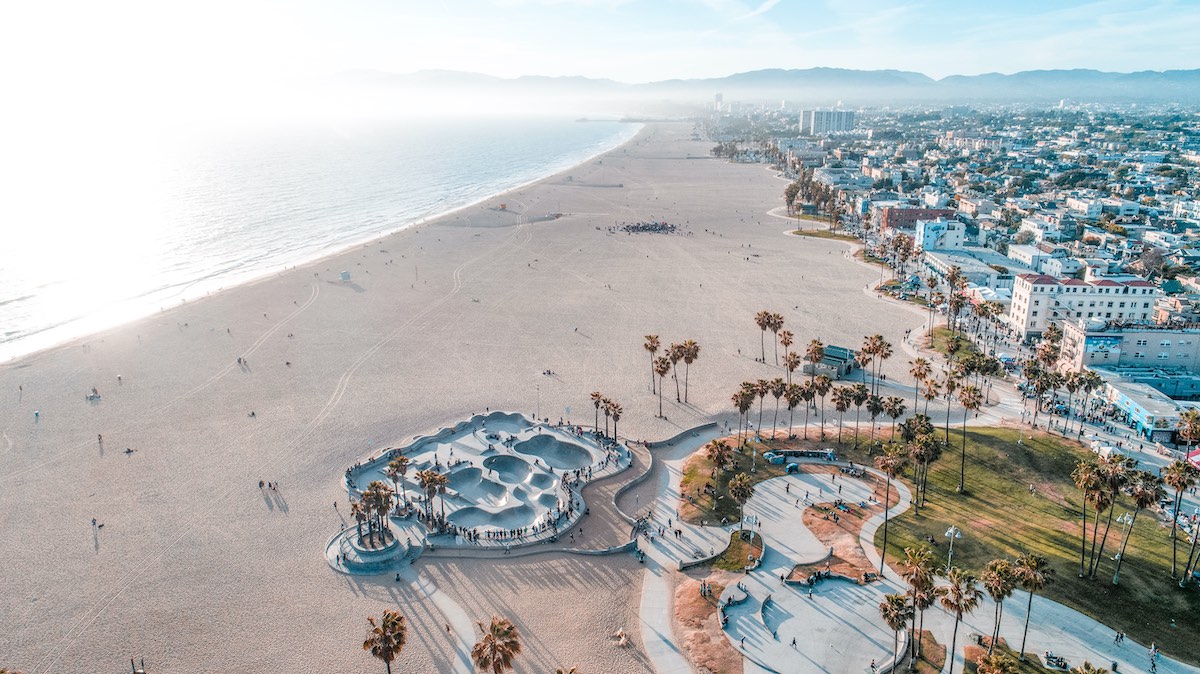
pixel 906 217
pixel 825 122
pixel 940 234
pixel 1090 343
pixel 982 267
pixel 1145 409
pixel 1040 299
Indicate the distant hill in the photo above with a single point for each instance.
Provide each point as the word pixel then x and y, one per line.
pixel 825 85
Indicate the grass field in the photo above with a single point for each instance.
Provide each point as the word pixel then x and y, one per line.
pixel 942 338
pixel 698 471
pixel 735 556
pixel 824 234
pixel 1000 517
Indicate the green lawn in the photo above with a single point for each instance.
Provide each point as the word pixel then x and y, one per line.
pixel 942 339
pixel 999 517
pixel 698 471
pixel 735 556
pixel 1031 665
pixel 824 234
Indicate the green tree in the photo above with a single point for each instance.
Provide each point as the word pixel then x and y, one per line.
pixel 960 596
pixel 386 638
pixel 652 345
pixel 895 611
pixel 740 490
pixel 1180 476
pixel 892 463
pixel 999 583
pixel 970 398
pixel 498 647
pixel 1146 490
pixel 1033 572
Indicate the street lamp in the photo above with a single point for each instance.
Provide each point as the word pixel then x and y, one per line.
pixel 952 533
pixel 1125 520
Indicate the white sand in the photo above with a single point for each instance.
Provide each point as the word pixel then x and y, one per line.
pixel 196 571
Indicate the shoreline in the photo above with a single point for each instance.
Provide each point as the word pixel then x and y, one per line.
pixel 83 328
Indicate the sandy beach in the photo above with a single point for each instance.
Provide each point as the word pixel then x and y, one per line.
pixel 197 570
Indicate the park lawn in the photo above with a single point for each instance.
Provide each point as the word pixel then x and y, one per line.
pixel 999 517
pixel 933 655
pixel 863 255
pixel 698 471
pixel 824 234
pixel 735 556
pixel 1031 665
pixel 941 339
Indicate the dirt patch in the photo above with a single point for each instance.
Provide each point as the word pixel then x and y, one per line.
pixel 699 629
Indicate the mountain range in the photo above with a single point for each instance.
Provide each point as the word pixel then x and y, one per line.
pixel 821 86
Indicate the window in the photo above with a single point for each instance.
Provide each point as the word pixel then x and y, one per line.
pixel 1037 302
pixel 1163 355
pixel 1145 305
pixel 1089 314
pixel 1121 305
pixel 1165 342
pixel 1035 313
pixel 1110 305
pixel 1078 314
pixel 1141 342
pixel 1108 314
pixel 1139 354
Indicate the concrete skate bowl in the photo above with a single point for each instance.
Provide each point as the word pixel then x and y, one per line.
pixel 504 518
pixel 554 452
pixel 473 487
pixel 509 469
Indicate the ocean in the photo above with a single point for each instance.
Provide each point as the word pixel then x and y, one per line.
pixel 215 210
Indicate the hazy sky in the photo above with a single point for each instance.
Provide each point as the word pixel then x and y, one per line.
pixel 627 40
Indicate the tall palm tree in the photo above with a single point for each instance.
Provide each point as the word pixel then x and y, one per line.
pixel 1180 476
pixel 1087 481
pixel 778 388
pixel 652 345
pixel 786 339
pixel 442 482
pixel 616 410
pixel 842 398
pixel 597 398
pixel 762 388
pixel 397 468
pixel 960 596
pixel 606 408
pixel 662 365
pixel 930 390
pixel 359 513
pixel 1114 471
pixel 794 396
pixel 822 384
pixel 498 647
pixel 675 353
pixel 917 571
pixel 950 384
pixel 808 393
pixel 1033 572
pixel 814 354
pixel 995 663
pixel 920 370
pixel 999 582
pixel 763 320
pixel 386 638
pixel 970 398
pixel 893 406
pixel 883 351
pixel 858 395
pixel 427 480
pixel 791 361
pixel 895 611
pixel 719 452
pixel 1088 668
pixel 1146 489
pixel 740 490
pixel 691 352
pixel 775 326
pixel 892 463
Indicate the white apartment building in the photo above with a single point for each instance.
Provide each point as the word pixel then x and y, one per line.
pixel 1039 300
pixel 1092 343
pixel 940 234
pixel 1085 208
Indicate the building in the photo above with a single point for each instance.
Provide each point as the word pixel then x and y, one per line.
pixel 1129 344
pixel 1039 299
pixel 940 234
pixel 824 122
pixel 1144 408
pixel 899 217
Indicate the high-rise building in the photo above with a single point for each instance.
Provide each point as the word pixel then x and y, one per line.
pixel 823 122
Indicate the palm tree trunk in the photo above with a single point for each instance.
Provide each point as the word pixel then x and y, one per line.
pixel 953 642
pixel 760 405
pixel 948 419
pixel 791 417
pixel 1174 524
pixel 995 626
pixel 1188 564
pixel 388 665
pixel 762 339
pixel 857 417
pixel 675 376
pixel 1095 535
pixel 806 411
pixel 660 402
pixel 887 496
pixel 776 421
pixel 1103 539
pixel 1121 554
pixel 1025 634
pixel 687 370
pixel 1083 545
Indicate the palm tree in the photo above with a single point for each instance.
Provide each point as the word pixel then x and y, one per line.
pixel 1189 427
pixel 895 611
pixel 950 384
pixel 597 398
pixel 652 345
pixel 814 354
pixel 719 452
pixel 858 395
pixel 1114 471
pixel 442 482
pixel 786 339
pixel 775 326
pixel 808 393
pixel 379 496
pixel 691 351
pixel 1180 476
pixel 930 391
pixel 999 582
pixel 989 663
pixel 883 351
pixel 821 385
pixel 842 399
pixel 794 395
pixel 893 406
pixel 397 468
pixel 892 462
pixel 1087 668
pixel 920 371
pixel 662 365
pixel 762 388
pixel 791 361
pixel 616 410
pixel 1033 572
pixel 427 480
pixel 970 398
pixel 959 597
pixel 675 353
pixel 917 571
pixel 499 646
pixel 763 320
pixel 740 490
pixel 1146 489
pixel 359 513
pixel 778 388
pixel 606 407
pixel 1087 481
pixel 572 670
pixel 386 638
